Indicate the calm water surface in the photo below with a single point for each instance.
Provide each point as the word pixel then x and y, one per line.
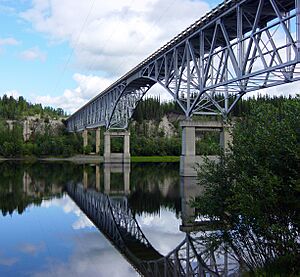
pixel 85 220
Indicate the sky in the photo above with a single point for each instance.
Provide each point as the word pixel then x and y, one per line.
pixel 61 53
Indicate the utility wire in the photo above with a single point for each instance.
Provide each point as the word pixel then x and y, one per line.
pixel 149 29
pixel 75 45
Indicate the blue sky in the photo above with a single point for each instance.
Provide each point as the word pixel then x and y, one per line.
pixel 63 52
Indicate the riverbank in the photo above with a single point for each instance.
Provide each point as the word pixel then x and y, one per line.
pixel 95 159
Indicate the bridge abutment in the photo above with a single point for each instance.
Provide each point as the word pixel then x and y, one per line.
pixel 188 158
pixel 110 157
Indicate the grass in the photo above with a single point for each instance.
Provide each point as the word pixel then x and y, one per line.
pixel 155 159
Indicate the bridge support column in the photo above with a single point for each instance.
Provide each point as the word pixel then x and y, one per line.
pixel 226 137
pixel 97 140
pixel 189 189
pixel 188 151
pixel 85 178
pixel 98 178
pixel 109 187
pixel 107 179
pixel 110 157
pixel 126 172
pixel 85 138
pixel 189 159
pixel 107 148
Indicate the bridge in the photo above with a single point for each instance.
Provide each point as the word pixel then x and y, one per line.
pixel 113 217
pixel 239 47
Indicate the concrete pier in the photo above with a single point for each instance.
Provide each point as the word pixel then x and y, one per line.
pixel 116 168
pixel 189 189
pixel 110 157
pixel 85 180
pixel 98 141
pixel 98 178
pixel 85 138
pixel 188 158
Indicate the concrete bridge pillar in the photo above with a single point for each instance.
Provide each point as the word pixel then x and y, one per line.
pixel 188 151
pixel 98 178
pixel 107 171
pixel 107 148
pixel 85 138
pixel 110 169
pixel 189 159
pixel 189 189
pixel 226 137
pixel 97 140
pixel 110 157
pixel 126 172
pixel 85 178
pixel 127 145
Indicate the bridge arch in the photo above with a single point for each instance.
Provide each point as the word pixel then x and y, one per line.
pixel 129 98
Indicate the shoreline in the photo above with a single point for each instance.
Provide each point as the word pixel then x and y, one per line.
pixel 94 159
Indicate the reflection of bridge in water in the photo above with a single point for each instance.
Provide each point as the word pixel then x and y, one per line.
pixel 114 218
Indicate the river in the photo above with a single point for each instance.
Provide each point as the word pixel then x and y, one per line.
pixel 66 219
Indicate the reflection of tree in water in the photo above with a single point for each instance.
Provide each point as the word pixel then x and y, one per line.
pixel 24 184
pixel 154 186
pixel 254 190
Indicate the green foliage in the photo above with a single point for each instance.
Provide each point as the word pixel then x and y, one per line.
pixel 45 180
pixel 11 108
pixel 155 159
pixel 61 144
pixel 147 138
pixel 10 141
pixel 117 144
pixel 209 144
pixel 152 109
pixel 146 183
pixel 254 190
pixel 87 149
pixel 155 146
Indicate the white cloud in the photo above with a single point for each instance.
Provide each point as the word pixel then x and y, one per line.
pixel 92 255
pixel 14 93
pixel 72 99
pixel 9 41
pixel 69 206
pixel 88 86
pixel 114 35
pixel 7 261
pixel 33 54
pixel 32 249
pixel 162 230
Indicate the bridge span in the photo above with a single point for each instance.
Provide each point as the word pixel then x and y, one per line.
pixel 238 47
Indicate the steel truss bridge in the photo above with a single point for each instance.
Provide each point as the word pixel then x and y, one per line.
pixel 115 220
pixel 238 47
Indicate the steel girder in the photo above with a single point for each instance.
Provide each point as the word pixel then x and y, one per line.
pixel 239 47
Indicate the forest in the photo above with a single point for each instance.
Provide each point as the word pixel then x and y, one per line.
pixel 147 138
pixel 12 109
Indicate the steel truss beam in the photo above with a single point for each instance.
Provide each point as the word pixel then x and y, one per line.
pixel 240 47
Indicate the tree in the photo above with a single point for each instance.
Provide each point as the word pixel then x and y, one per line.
pixel 254 191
